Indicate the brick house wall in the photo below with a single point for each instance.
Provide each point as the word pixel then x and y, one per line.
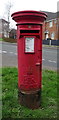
pixel 58 28
pixel 58 24
pixel 50 30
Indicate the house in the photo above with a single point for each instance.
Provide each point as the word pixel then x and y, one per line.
pixel 50 27
pixel 4 28
pixel 58 24
pixel 12 33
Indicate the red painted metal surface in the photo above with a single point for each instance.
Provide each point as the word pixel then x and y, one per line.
pixel 29 25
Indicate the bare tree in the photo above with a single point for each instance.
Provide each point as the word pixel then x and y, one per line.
pixel 8 7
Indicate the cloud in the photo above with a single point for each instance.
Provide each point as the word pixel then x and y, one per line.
pixel 58 6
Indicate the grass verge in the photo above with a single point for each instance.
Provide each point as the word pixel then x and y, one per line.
pixel 11 107
pixel 11 40
pixel 1 39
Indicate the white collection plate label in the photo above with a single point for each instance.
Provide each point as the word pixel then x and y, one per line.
pixel 29 44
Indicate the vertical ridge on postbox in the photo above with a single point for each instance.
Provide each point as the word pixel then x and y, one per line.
pixel 29 38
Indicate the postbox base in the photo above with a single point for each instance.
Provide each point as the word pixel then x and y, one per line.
pixel 30 100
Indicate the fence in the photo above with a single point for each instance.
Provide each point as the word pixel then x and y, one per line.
pixel 51 42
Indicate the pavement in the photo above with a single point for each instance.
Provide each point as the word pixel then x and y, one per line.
pixel 50 47
pixel 9 55
pixel 47 46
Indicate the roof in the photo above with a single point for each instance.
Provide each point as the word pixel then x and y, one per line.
pixel 51 15
pixel 4 20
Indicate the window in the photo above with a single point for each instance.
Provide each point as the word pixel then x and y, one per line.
pixel 50 24
pixel 5 24
pixel 52 35
pixel 5 33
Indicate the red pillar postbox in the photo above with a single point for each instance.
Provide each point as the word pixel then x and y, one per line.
pixel 29 39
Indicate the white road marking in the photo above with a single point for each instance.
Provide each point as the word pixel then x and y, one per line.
pixel 52 61
pixel 43 59
pixel 15 53
pixel 11 52
pixel 4 51
pixel 0 51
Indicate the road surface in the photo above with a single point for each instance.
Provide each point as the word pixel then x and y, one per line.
pixel 8 52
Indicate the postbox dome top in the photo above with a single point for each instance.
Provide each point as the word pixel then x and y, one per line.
pixel 29 16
